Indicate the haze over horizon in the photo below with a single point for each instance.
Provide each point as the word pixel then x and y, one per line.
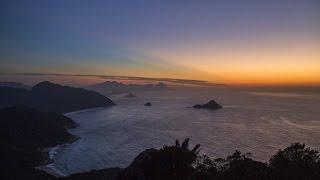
pixel 225 42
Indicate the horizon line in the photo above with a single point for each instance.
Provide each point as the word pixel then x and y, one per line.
pixel 165 79
pixel 119 77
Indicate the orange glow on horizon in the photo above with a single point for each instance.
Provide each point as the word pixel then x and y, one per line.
pixel 272 63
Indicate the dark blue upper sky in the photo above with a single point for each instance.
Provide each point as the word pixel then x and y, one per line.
pixel 158 38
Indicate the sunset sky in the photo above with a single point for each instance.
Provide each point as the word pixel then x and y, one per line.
pixel 262 42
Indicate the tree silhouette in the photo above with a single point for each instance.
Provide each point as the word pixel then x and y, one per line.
pixel 172 162
pixel 180 162
pixel 296 162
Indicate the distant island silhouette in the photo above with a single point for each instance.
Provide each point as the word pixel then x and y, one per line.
pixel 14 85
pixel 47 96
pixel 114 87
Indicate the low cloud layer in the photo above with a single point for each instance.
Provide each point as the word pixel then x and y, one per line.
pixel 119 78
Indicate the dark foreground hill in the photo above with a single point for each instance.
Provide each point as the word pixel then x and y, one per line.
pixel 25 131
pixel 50 97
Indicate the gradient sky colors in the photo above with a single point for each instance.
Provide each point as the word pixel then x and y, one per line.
pixel 261 42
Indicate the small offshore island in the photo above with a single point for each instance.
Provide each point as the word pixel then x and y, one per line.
pixel 213 105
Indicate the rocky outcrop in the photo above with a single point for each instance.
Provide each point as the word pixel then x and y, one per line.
pixel 213 105
pixel 148 104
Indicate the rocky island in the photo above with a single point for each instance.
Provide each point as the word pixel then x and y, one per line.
pixel 213 105
pixel 148 104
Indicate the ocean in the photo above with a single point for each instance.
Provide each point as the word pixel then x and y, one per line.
pixel 259 123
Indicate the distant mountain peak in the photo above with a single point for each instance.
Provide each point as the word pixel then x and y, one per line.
pixel 48 96
pixel 45 84
pixel 114 87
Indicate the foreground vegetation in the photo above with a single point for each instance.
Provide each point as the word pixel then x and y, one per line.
pixel 182 163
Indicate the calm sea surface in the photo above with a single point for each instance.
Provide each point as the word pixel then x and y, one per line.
pixel 256 122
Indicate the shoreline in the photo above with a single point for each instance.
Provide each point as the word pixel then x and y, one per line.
pixel 84 110
pixel 48 167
